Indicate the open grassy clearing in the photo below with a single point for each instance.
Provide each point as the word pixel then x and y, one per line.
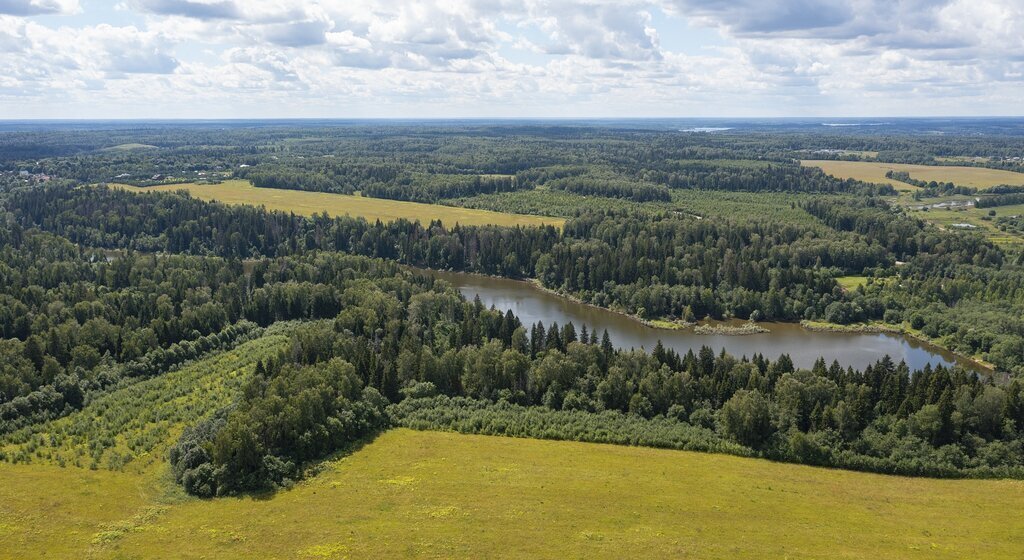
pixel 745 206
pixel 129 147
pixel 558 203
pixel 431 494
pixel 963 159
pixel 308 203
pixel 851 282
pixel 726 163
pixel 1008 210
pixel 119 444
pixel 862 153
pixel 50 512
pixel 874 172
pixel 949 218
pixel 738 206
pixel 415 494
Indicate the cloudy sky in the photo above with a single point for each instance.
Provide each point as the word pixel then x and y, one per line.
pixel 509 58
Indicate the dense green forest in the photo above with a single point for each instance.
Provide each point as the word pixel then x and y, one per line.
pixel 954 286
pixel 101 287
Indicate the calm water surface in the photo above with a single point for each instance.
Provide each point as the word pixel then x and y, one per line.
pixel 532 304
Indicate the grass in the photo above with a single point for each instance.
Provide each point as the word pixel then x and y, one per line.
pixel 557 203
pixel 431 494
pixel 862 153
pixel 50 512
pixel 116 480
pixel 850 283
pixel 308 203
pixel 963 159
pixel 974 216
pixel 874 172
pixel 746 206
pixel 668 325
pixel 128 147
pixel 735 206
pixel 723 163
pixel 130 429
pixel 870 327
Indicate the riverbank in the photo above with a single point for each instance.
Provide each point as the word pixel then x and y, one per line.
pixel 874 328
pixel 858 347
pixel 708 328
pixel 664 324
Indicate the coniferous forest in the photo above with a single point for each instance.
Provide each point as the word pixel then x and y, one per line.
pixel 102 287
pixel 543 279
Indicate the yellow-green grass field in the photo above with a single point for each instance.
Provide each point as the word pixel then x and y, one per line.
pixel 308 203
pixel 974 216
pixel 851 282
pixel 874 172
pixel 441 495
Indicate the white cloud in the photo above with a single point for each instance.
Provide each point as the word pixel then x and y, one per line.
pixel 508 57
pixel 200 9
pixel 38 7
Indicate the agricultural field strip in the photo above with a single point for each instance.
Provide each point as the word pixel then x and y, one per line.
pixel 309 203
pixel 874 172
pixel 410 494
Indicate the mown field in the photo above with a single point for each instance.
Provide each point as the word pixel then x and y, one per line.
pixel 308 203
pixel 431 494
pixel 874 172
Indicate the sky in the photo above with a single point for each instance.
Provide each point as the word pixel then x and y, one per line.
pixel 62 59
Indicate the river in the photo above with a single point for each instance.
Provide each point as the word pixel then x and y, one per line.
pixel 532 304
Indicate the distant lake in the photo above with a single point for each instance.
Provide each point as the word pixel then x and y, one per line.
pixel 804 346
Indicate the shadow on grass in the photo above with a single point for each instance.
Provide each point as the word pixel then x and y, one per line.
pixel 308 471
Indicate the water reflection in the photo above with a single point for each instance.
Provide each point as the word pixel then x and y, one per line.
pixel 804 346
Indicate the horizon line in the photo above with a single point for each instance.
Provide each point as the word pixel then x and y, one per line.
pixel 501 118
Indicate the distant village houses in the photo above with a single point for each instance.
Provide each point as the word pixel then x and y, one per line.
pixel 28 176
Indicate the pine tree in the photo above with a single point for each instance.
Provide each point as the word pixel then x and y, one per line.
pixel 568 334
pixel 659 352
pixel 606 344
pixel 946 432
pixel 554 339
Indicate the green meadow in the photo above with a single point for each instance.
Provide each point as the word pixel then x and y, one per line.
pixel 432 494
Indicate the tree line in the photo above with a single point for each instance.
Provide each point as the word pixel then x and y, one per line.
pixel 415 340
pixel 651 265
